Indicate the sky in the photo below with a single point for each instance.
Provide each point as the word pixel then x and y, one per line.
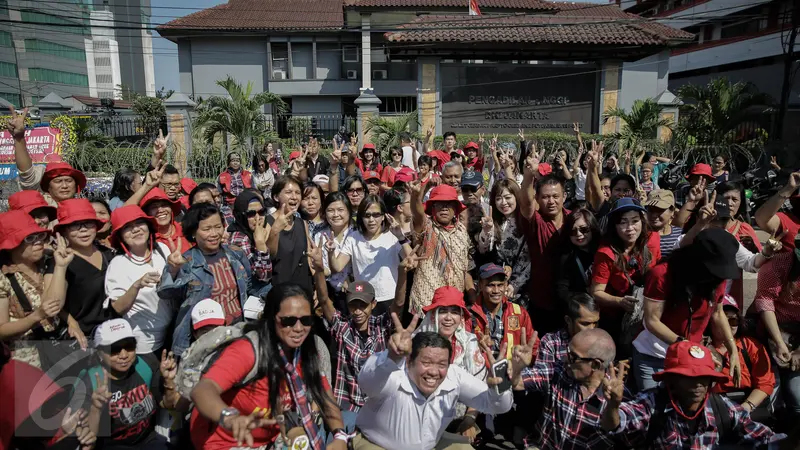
pixel 166 52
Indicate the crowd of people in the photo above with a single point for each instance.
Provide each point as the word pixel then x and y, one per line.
pixel 438 299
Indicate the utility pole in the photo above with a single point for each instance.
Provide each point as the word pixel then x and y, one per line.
pixel 789 71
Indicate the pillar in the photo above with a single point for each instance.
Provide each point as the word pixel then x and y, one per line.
pixel 367 102
pixel 428 96
pixel 179 126
pixel 610 85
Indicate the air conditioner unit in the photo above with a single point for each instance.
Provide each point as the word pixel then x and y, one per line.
pixel 379 75
pixel 352 74
pixel 278 75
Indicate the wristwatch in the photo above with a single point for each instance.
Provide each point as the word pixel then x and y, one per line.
pixel 227 412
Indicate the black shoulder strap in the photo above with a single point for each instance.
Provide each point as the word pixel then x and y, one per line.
pixel 21 297
pixel 658 420
pixel 747 361
pixel 722 417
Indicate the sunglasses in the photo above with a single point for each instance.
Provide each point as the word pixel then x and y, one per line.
pixel 573 358
pixel 355 191
pixel 36 238
pixel 468 189
pixel 128 345
pixel 290 321
pixel 581 230
pixel 733 321
pixel 258 212
pixel 372 215
pixel 77 226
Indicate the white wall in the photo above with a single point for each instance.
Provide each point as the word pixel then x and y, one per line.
pixel 646 78
pixel 214 59
pixel 754 48
pixel 709 10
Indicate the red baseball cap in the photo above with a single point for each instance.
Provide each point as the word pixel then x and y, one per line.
pixel 295 155
pixel 444 193
pixel 471 145
pixel 61 169
pixel 447 296
pixel 689 359
pixel 75 210
pixel 371 175
pixel 702 170
pixel 30 200
pixel 406 175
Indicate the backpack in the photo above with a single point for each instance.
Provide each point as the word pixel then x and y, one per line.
pixel 658 420
pixel 199 357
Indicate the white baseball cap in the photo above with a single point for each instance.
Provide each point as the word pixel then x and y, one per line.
pixel 253 307
pixel 112 331
pixel 207 312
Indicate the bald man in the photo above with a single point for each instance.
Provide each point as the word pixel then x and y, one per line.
pixel 574 401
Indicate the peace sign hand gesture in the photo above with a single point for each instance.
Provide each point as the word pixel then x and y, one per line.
pixel 16 125
pixel 487 223
pixel 316 256
pixel 614 384
pixel 153 177
pixel 481 139
pixel 160 144
pixel 282 215
pixel 521 134
pixel 176 259
pixel 169 367
pixel 411 262
pixel 400 342
pixel 395 227
pixel 522 354
pixel 415 187
pixel 101 394
pixel 708 212
pixel 63 254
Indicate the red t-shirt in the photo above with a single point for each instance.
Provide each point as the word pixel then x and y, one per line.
pixel 476 164
pixel 790 223
pixel 759 376
pixel 605 271
pixel 544 248
pixel 231 367
pixel 225 290
pixel 360 164
pixel 388 175
pixel 676 317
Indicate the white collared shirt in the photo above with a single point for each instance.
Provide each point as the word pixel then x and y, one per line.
pixel 397 415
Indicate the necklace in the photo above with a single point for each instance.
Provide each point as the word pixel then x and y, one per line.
pixel 682 414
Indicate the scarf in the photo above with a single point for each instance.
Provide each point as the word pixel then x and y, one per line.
pixel 240 206
pixel 297 387
pixel 465 344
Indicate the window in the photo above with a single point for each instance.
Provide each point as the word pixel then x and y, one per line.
pixel 36 99
pixel 739 29
pixel 100 45
pixel 11 98
pixel 397 105
pixel 8 70
pixel 350 53
pixel 51 48
pixel 67 26
pixel 103 61
pixel 57 76
pixel 4 7
pixel 5 39
pixel 104 79
pixel 280 61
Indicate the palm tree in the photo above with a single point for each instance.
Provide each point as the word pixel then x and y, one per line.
pixel 639 127
pixel 240 114
pixel 713 115
pixel 386 131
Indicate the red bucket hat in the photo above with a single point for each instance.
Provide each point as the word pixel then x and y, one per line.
pixel 444 193
pixel 125 215
pixel 447 296
pixel 15 226
pixel 187 185
pixel 76 210
pixel 157 194
pixel 690 360
pixel 61 169
pixel 29 201
pixel 702 170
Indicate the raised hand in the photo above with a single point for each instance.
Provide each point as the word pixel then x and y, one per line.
pixel 160 145
pixel 773 162
pixel 336 157
pixel 261 232
pixel 415 188
pixel 282 217
pixel 395 227
pixel 150 279
pixel 316 257
pixel 487 222
pixel 614 384
pixel 481 139
pixel 575 127
pixel 522 354
pixel 154 176
pixel 175 259
pixel 330 244
pixel 532 161
pixel 77 423
pixel 16 125
pixel 695 194
pixel 241 426
pixel 411 262
pixel 521 134
pixel 774 244
pixel 708 213
pixel 101 394
pixel 793 182
pixel 169 367
pixel 428 133
pixel 62 254
pixel 399 344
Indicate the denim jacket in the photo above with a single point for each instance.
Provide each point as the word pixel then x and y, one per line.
pixel 193 283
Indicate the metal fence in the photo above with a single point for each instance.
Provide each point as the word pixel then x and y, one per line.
pixel 297 127
pixel 131 129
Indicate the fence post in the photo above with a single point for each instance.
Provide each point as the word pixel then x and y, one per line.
pixel 179 125
pixel 367 104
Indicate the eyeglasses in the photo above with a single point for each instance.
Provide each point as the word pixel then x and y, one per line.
pixel 290 321
pixel 252 213
pixel 36 238
pixel 372 215
pixel 355 191
pixel 170 185
pixel 77 226
pixel 581 230
pixel 573 358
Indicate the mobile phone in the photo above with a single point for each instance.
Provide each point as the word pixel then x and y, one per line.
pixel 500 370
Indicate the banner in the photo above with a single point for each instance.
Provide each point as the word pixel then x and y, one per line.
pixel 44 145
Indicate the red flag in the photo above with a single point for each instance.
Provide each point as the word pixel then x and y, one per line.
pixel 473 8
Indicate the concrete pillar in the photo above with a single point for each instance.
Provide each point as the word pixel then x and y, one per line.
pixel 610 85
pixel 366 53
pixel 428 101
pixel 367 104
pixel 670 103
pixel 179 125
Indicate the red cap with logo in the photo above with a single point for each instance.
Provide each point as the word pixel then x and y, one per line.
pixel 371 175
pixel 689 359
pixel 406 175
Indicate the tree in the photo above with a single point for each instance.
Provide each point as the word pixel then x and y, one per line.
pixel 712 115
pixel 126 93
pixel 150 112
pixel 239 114
pixel 639 127
pixel 386 131
pixel 164 93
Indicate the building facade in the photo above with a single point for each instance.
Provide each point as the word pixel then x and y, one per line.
pixel 103 62
pixel 521 64
pixel 134 34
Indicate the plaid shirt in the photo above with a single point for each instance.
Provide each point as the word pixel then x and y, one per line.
pixel 553 347
pixel 634 418
pixel 237 184
pixel 351 354
pixel 227 213
pixel 260 262
pixel 568 420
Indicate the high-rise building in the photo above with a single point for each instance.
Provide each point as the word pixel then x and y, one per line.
pixel 103 61
pixel 134 37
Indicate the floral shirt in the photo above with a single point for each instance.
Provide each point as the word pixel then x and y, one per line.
pixel 512 251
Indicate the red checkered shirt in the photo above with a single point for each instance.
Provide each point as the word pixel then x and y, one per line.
pixel 260 262
pixel 553 347
pixel 770 295
pixel 568 420
pixel 352 352
pixel 634 418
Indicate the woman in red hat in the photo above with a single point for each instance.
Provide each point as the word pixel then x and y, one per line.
pixel 158 206
pixel 133 274
pixel 369 160
pixel 34 204
pixel 79 282
pixel 447 315
pixel 22 256
pixel 444 240
pixel 234 179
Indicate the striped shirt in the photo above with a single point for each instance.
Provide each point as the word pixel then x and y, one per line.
pixel 670 242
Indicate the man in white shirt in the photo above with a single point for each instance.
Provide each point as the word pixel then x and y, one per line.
pixel 412 393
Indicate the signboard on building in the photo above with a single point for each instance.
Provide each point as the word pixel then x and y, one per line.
pixel 501 98
pixel 43 143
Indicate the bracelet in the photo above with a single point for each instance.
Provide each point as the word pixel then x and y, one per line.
pixel 404 241
pixel 752 405
pixel 765 255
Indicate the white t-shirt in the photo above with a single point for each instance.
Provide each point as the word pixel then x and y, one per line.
pixel 580 185
pixel 149 316
pixel 374 261
pixel 408 156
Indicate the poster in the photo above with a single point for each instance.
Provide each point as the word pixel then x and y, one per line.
pixel 44 145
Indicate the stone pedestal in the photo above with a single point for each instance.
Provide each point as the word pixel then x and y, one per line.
pixel 179 125
pixel 610 83
pixel 671 103
pixel 367 104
